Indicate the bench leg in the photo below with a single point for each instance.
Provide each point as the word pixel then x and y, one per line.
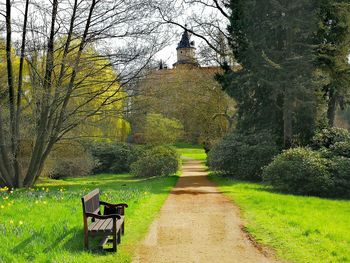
pixel 115 235
pixel 119 237
pixel 114 242
pixel 86 240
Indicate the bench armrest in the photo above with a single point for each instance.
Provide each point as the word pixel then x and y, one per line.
pixel 103 216
pixel 113 205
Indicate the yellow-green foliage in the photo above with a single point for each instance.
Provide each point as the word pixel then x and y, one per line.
pixel 161 130
pixel 97 80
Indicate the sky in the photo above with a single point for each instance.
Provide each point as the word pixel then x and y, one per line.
pixel 168 54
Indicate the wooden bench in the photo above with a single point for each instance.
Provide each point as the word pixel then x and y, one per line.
pixel 96 224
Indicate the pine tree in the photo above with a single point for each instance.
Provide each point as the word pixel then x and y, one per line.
pixel 333 36
pixel 274 43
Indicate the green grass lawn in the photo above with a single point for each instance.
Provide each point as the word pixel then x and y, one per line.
pixel 191 151
pixel 45 224
pixel 300 229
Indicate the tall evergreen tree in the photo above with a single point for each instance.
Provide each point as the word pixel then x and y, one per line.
pixel 273 40
pixel 333 36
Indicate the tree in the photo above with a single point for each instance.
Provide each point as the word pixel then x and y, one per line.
pixel 108 122
pixel 161 130
pixel 190 95
pixel 273 41
pixel 332 54
pixel 61 90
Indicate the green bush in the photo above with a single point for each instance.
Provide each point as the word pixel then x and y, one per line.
pixel 60 166
pixel 341 149
pixel 156 161
pixel 114 157
pixel 323 171
pixel 329 137
pixel 243 155
pixel 332 142
pixel 300 171
pixel 340 169
pixel 70 168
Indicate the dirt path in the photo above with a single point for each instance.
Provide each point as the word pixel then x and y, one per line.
pixel 197 224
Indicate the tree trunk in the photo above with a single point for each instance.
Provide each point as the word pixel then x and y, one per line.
pixel 42 132
pixel 16 135
pixel 5 168
pixel 10 164
pixel 287 122
pixel 331 111
pixel 10 84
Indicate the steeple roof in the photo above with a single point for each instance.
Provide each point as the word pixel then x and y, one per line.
pixel 185 41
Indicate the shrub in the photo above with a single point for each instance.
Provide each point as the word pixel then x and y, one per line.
pixel 69 162
pixel 332 143
pixel 66 167
pixel 340 169
pixel 156 161
pixel 329 137
pixel 341 149
pixel 114 157
pixel 243 155
pixel 299 171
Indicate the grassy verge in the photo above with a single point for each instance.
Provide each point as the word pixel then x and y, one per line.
pixel 300 229
pixel 45 224
pixel 195 152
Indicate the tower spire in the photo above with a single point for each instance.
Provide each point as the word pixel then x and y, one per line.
pixel 186 50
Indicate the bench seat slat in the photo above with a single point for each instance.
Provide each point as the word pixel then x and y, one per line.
pixel 110 225
pixel 104 225
pixel 96 226
pixel 99 223
pixel 119 224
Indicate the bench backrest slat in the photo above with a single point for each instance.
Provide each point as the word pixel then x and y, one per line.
pixel 91 202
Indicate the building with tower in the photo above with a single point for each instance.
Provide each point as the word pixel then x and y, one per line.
pixel 188 93
pixel 186 51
